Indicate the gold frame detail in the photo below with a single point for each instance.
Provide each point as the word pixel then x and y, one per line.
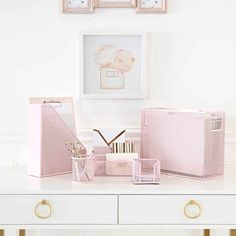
pixel 2 233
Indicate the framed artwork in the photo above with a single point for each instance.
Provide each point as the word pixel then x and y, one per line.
pixel 113 65
pixel 77 6
pixel 87 6
pixel 151 6
pixel 115 3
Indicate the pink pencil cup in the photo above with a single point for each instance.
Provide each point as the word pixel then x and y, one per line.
pixel 83 168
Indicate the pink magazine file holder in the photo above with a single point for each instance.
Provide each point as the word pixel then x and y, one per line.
pixel 188 143
pixel 48 134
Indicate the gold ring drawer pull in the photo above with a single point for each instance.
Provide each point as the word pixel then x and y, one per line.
pixel 195 215
pixel 43 203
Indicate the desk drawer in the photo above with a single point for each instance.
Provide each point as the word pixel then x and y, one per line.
pixel 169 209
pixel 65 209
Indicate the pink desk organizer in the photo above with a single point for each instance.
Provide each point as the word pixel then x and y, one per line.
pixel 113 168
pixel 99 153
pixel 189 143
pixel 115 164
pixel 146 171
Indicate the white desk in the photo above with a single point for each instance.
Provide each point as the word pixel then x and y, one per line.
pixel 115 203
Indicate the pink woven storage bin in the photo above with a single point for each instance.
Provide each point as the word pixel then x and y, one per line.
pixel 188 143
pixel 83 168
pixel 146 171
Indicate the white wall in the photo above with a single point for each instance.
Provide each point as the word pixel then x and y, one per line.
pixel 192 52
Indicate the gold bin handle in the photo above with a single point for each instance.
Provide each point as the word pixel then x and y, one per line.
pixel 195 215
pixel 43 203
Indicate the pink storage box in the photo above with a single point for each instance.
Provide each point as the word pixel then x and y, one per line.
pixel 189 143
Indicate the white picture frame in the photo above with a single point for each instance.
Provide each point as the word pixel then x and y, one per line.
pixel 113 64
pixel 78 6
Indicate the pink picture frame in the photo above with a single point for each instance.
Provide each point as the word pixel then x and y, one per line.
pixel 78 6
pixel 115 4
pixel 151 6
